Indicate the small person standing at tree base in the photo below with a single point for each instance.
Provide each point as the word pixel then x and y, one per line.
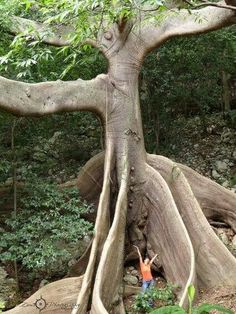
pixel 145 267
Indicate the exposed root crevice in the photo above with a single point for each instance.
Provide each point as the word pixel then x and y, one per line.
pixel 90 178
pixel 107 293
pixel 215 264
pixel 80 266
pixel 168 235
pixel 101 231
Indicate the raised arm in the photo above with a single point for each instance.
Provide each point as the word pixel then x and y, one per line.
pixel 184 22
pixel 139 254
pixel 24 99
pixel 152 260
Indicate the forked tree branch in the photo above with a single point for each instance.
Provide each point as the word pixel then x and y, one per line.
pixel 182 22
pixel 24 99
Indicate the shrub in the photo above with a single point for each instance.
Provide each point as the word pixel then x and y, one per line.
pixel 144 301
pixel 2 305
pixel 48 220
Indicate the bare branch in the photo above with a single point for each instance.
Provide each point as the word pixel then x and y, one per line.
pixel 145 9
pixel 207 3
pixel 183 22
pixel 24 99
pixel 53 35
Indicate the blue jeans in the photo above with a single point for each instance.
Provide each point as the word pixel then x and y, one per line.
pixel 147 284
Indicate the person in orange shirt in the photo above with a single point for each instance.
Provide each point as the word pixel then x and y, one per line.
pixel 145 267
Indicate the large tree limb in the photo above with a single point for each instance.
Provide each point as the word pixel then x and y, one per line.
pixel 24 99
pixel 56 35
pixel 182 22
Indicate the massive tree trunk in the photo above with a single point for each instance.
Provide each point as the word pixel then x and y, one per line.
pixel 145 200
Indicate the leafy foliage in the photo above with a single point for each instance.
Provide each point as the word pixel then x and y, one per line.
pixel 144 301
pixel 53 147
pixel 2 306
pixel 86 18
pixel 201 309
pixel 184 77
pixel 48 220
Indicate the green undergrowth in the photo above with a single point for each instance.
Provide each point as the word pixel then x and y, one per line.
pixel 201 309
pixel 144 302
pixel 47 227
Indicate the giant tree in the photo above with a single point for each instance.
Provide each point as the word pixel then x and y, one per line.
pixel 143 199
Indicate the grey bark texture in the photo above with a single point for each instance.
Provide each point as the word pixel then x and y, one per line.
pixel 157 201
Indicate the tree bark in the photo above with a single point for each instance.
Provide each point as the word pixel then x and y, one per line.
pixel 52 35
pixel 168 235
pixel 215 264
pixel 155 202
pixel 216 201
pixel 25 99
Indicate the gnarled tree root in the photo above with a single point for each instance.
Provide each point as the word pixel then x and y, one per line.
pixel 216 201
pixel 211 256
pixel 58 297
pixel 214 263
pixel 176 228
pixel 101 230
pixel 106 293
pixel 168 236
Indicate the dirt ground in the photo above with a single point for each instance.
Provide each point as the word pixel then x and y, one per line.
pixel 225 296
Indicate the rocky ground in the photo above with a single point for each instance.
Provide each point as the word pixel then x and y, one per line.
pixel 210 150
pixel 225 296
pixel 8 288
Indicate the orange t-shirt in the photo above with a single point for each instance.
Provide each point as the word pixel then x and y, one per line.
pixel 146 272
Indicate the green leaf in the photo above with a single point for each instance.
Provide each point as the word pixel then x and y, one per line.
pixel 206 308
pixel 191 293
pixel 172 309
pixel 2 306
